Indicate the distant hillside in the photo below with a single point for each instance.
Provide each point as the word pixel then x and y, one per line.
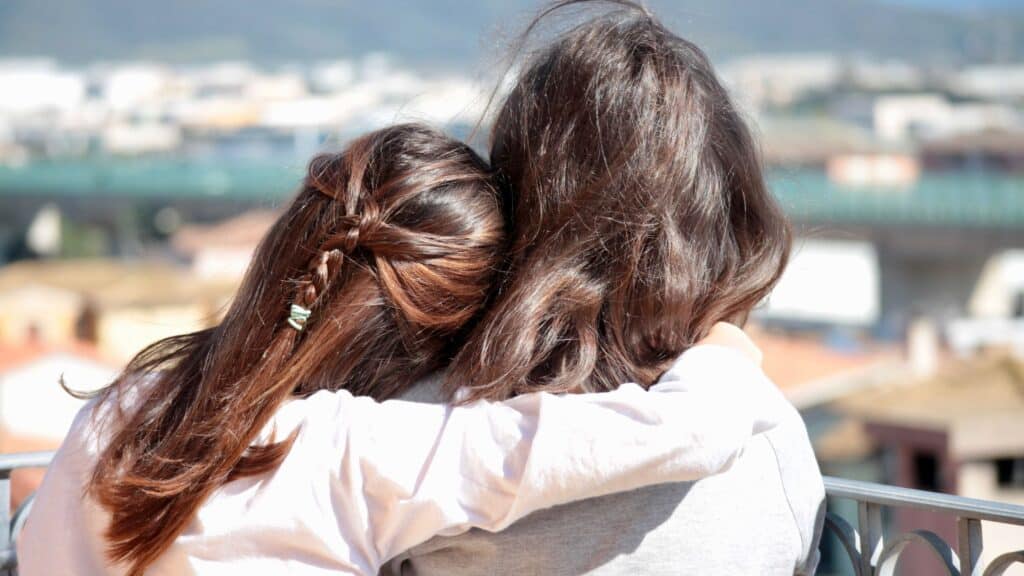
pixel 458 31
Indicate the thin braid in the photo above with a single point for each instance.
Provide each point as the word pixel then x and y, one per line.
pixel 399 236
pixel 318 276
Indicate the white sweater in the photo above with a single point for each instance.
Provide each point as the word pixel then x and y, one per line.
pixel 365 481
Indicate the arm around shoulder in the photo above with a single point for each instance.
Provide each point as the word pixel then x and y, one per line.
pixel 424 470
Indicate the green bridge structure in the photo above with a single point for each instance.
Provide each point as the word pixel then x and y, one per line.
pixel 932 237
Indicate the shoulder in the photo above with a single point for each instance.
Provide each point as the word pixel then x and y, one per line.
pixel 802 484
pixel 100 417
pixel 92 427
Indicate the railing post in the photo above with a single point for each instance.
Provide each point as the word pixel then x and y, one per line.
pixel 869 525
pixel 9 463
pixel 5 518
pixel 969 546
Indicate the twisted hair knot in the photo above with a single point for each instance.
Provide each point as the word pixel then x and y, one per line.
pixel 356 231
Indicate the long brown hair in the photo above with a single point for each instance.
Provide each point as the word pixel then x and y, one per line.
pixel 641 215
pixel 391 245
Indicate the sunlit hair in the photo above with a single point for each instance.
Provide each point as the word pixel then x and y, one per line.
pixel 391 246
pixel 641 214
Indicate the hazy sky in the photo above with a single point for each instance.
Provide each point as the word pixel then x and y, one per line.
pixel 963 4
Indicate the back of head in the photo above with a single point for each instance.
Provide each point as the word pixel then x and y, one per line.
pixel 362 284
pixel 641 216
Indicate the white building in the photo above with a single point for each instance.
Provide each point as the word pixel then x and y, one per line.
pixel 995 310
pixel 34 409
pixel 905 117
pixel 30 87
pixel 129 87
pixel 828 281
pixel 781 79
pixel 141 138
pixel 885 75
pixel 991 82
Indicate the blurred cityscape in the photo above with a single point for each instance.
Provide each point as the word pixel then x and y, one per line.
pixel 134 192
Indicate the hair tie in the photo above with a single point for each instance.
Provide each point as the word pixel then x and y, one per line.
pixel 298 316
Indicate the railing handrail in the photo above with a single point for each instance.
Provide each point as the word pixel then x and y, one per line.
pixel 838 487
pixel 870 552
pixel 15 460
pixel 909 497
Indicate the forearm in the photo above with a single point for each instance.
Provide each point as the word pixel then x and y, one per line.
pixel 497 462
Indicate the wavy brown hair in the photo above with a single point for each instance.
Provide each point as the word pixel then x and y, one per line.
pixel 641 215
pixel 390 244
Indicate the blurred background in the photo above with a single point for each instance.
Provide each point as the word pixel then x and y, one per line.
pixel 144 148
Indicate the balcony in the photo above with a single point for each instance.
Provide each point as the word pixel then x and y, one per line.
pixel 873 553
pixel 870 552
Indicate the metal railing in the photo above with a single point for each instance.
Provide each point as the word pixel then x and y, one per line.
pixel 10 525
pixel 872 554
pixel 869 551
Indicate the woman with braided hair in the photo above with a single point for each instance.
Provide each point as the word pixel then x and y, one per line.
pixel 267 443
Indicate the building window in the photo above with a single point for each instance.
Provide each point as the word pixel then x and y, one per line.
pixel 1010 472
pixel 1018 305
pixel 927 474
pixel 86 324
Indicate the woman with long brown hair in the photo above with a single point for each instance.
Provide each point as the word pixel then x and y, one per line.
pixel 641 218
pixel 264 444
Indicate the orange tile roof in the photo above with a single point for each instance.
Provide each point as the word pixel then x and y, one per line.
pixel 15 355
pixel 794 361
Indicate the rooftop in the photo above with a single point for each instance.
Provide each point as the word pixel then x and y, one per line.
pixel 16 355
pixel 978 400
pixel 985 386
pixel 115 282
pixel 241 232
pixel 796 363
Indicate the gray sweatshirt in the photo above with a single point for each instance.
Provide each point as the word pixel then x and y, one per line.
pixel 762 516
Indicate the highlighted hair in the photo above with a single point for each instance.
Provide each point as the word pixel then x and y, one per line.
pixel 389 248
pixel 641 214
